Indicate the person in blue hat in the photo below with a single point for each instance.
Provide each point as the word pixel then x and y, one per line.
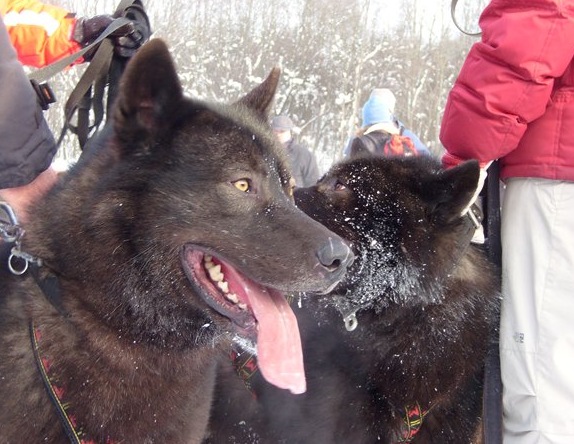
pixel 378 119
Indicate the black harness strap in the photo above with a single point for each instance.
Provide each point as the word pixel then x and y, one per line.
pixel 60 410
pixel 105 69
pixel 44 74
pixel 88 94
pixel 50 286
pixel 80 98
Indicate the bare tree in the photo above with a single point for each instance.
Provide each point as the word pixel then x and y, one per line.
pixel 332 53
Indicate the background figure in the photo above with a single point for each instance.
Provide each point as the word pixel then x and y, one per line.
pixel 303 163
pixel 514 101
pixel 36 34
pixel 379 120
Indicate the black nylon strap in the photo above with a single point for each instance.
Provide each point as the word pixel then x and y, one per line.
pixel 80 98
pixel 94 81
pixel 62 415
pixel 50 286
pixel 43 74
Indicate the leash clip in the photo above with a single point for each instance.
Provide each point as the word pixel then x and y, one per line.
pixel 12 232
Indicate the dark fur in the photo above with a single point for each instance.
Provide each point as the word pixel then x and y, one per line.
pixel 427 308
pixel 136 345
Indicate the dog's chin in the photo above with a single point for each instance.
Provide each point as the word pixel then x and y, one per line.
pixel 210 278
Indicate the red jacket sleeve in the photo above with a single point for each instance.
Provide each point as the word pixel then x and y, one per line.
pixel 40 33
pixel 507 78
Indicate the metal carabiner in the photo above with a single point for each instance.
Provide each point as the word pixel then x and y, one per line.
pixel 10 231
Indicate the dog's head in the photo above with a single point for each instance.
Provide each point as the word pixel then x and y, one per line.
pixel 184 222
pixel 403 218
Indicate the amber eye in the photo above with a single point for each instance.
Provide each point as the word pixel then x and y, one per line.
pixel 243 185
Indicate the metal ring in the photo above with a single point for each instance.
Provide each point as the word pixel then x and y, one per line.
pixel 14 270
pixel 351 322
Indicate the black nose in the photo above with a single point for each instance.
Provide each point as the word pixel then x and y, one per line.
pixel 335 255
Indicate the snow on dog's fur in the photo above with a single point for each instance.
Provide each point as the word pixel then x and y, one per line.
pixel 426 304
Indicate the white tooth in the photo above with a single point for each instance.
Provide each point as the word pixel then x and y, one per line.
pixel 210 264
pixel 215 273
pixel 242 306
pixel 223 286
pixel 232 297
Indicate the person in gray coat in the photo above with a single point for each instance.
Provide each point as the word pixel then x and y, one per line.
pixel 303 163
pixel 27 145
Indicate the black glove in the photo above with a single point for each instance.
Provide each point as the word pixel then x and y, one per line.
pixel 89 29
pixel 126 38
pixel 127 44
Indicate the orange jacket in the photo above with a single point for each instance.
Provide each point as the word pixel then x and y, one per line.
pixel 40 33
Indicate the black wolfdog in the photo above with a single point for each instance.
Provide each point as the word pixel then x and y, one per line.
pixel 179 233
pixel 423 303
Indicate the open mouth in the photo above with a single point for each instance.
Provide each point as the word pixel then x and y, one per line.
pixel 259 313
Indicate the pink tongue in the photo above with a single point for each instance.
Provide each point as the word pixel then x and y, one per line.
pixel 279 352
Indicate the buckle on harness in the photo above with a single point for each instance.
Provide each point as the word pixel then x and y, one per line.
pixel 475 215
pixel 45 94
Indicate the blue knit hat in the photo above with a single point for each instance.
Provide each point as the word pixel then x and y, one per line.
pixel 380 107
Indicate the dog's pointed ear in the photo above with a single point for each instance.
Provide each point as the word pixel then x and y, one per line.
pixel 261 98
pixel 450 190
pixel 150 93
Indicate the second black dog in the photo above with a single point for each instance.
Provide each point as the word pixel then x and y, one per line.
pixel 423 303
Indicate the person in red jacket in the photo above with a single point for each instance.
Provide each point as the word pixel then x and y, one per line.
pixel 35 34
pixel 514 101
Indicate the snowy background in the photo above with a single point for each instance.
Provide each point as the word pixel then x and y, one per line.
pixel 332 53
